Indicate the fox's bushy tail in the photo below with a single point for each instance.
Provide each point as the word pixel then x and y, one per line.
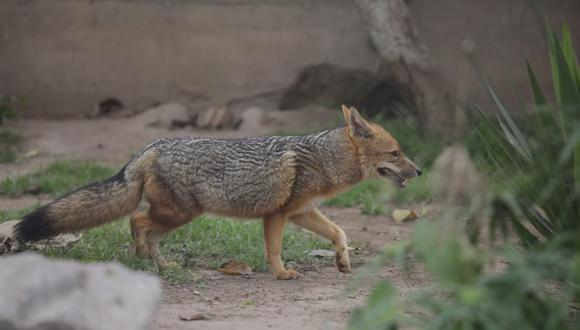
pixel 89 206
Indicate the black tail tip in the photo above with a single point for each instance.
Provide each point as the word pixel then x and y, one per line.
pixel 35 226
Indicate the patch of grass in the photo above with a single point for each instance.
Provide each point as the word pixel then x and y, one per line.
pixel 204 243
pixel 14 214
pixel 58 178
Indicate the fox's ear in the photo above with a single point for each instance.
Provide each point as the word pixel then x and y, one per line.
pixel 357 125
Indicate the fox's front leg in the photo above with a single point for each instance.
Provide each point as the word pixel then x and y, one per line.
pixel 273 234
pixel 316 222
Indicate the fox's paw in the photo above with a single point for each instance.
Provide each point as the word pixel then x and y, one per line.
pixel 343 268
pixel 289 274
pixel 343 264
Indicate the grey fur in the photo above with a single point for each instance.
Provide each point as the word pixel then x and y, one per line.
pixel 252 176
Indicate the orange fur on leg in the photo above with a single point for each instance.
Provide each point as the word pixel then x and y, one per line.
pixel 273 234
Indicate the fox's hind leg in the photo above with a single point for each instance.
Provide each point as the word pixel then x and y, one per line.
pixel 153 239
pixel 147 234
pixel 163 216
pixel 315 221
pixel 164 221
pixel 141 226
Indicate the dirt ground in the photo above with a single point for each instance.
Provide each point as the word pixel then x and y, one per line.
pixel 317 300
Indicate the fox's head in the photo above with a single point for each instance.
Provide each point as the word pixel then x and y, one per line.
pixel 379 152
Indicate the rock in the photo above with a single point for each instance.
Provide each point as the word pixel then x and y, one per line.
pixel 8 242
pixel 253 118
pixel 165 116
pixel 216 118
pixel 42 294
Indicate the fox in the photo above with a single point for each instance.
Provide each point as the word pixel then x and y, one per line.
pixel 278 179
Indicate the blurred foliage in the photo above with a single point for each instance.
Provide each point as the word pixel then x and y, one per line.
pixel 9 145
pixel 9 140
pixel 530 279
pixel 540 157
pixel 522 291
pixel 6 108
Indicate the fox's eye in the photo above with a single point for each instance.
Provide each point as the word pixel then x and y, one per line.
pixel 395 153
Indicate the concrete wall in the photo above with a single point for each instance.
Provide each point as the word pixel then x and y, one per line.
pixel 503 32
pixel 62 57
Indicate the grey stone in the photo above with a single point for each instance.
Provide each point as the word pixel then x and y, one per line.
pixel 164 115
pixel 39 293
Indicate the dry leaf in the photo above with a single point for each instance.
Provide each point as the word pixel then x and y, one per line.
pixel 30 153
pixel 404 215
pixel 235 268
pixel 192 317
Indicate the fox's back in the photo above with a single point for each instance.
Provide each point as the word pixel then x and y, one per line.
pixel 238 177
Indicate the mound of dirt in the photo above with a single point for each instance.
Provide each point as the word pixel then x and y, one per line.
pixel 331 86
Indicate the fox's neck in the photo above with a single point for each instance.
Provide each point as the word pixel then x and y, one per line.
pixel 342 167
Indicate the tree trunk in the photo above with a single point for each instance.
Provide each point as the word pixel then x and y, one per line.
pixel 396 39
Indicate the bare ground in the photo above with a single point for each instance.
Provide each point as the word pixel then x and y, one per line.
pixel 317 300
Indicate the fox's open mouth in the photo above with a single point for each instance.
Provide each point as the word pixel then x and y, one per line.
pixel 390 174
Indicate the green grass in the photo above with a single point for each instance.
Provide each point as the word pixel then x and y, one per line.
pixel 56 179
pixel 204 243
pixel 14 214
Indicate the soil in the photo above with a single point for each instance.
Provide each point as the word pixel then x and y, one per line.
pixel 316 300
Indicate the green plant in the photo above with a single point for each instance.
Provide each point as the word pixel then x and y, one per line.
pixel 465 296
pixel 9 145
pixel 538 160
pixel 543 157
pixel 6 108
